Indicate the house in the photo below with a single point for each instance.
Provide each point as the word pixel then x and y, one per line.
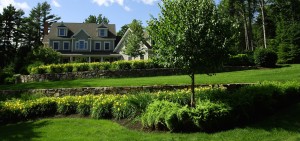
pixel 145 47
pixel 88 42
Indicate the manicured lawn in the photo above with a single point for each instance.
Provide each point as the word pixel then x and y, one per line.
pixel 285 73
pixel 284 125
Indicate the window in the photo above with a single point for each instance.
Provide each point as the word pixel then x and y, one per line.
pixel 106 45
pixel 66 45
pixel 56 45
pixel 103 32
pixel 62 32
pixel 142 57
pixel 81 45
pixel 97 46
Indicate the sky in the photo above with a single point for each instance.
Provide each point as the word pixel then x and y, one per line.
pixel 119 12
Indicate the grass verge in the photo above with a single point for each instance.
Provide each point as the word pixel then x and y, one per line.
pixel 284 125
pixel 285 73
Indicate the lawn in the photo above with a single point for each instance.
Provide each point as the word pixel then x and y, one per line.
pixel 284 73
pixel 284 125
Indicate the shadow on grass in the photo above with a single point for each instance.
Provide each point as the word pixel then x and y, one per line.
pixel 21 131
pixel 287 119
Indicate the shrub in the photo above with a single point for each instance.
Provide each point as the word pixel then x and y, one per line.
pixel 83 67
pixel 121 65
pixel 240 60
pixel 104 66
pixel 132 105
pixel 40 108
pixel 68 67
pixel 84 104
pixel 210 116
pixel 138 64
pixel 159 113
pixel 66 105
pixel 265 57
pixel 102 107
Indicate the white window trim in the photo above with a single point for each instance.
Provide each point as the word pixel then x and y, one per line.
pixel 98 43
pixel 105 46
pixel 85 45
pixel 65 32
pixel 57 45
pixel 64 45
pixel 105 32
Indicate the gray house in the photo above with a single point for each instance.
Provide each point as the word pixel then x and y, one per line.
pixel 86 41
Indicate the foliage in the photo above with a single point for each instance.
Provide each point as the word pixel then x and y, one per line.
pixel 98 20
pixel 123 30
pixel 265 57
pixel 134 39
pixel 78 67
pixel 240 60
pixel 189 35
pixel 46 55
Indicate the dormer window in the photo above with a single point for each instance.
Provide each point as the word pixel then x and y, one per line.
pixel 62 32
pixel 102 32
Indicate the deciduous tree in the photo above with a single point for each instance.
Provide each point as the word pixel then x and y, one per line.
pixel 189 35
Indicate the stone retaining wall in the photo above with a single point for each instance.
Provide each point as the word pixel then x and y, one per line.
pixel 110 90
pixel 98 74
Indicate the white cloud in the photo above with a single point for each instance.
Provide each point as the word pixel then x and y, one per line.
pixel 126 8
pixel 55 3
pixel 108 2
pixel 18 5
pixel 149 2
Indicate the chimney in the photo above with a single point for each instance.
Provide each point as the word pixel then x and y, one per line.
pixel 46 28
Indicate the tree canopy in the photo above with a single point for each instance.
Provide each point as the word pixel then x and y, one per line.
pixel 189 35
pixel 98 20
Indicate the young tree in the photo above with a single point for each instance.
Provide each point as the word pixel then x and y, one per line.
pixel 134 39
pixel 189 35
pixel 98 20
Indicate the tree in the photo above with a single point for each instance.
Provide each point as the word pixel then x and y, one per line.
pixel 134 39
pixel 123 29
pixel 189 35
pixel 39 16
pixel 10 36
pixel 98 20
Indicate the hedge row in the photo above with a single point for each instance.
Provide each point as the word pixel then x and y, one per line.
pixel 219 110
pixel 216 109
pixel 77 67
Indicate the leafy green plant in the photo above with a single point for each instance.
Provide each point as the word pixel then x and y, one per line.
pixel 265 57
pixel 66 105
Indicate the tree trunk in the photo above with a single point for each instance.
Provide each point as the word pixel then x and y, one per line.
pixel 193 89
pixel 250 34
pixel 262 6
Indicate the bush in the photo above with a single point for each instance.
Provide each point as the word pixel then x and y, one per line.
pixel 120 65
pixel 102 107
pixel 265 57
pixel 159 113
pixel 209 116
pixel 67 105
pixel 84 104
pixel 240 60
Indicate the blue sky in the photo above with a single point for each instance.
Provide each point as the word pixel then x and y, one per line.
pixel 119 12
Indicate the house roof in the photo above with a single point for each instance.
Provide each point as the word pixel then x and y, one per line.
pixel 73 28
pixel 128 31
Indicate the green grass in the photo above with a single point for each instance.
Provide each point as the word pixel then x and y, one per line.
pixel 284 125
pixel 286 73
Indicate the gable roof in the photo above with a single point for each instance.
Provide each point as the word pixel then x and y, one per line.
pixel 128 31
pixel 90 28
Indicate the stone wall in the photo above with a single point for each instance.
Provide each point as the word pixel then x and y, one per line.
pixel 110 90
pixel 98 74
